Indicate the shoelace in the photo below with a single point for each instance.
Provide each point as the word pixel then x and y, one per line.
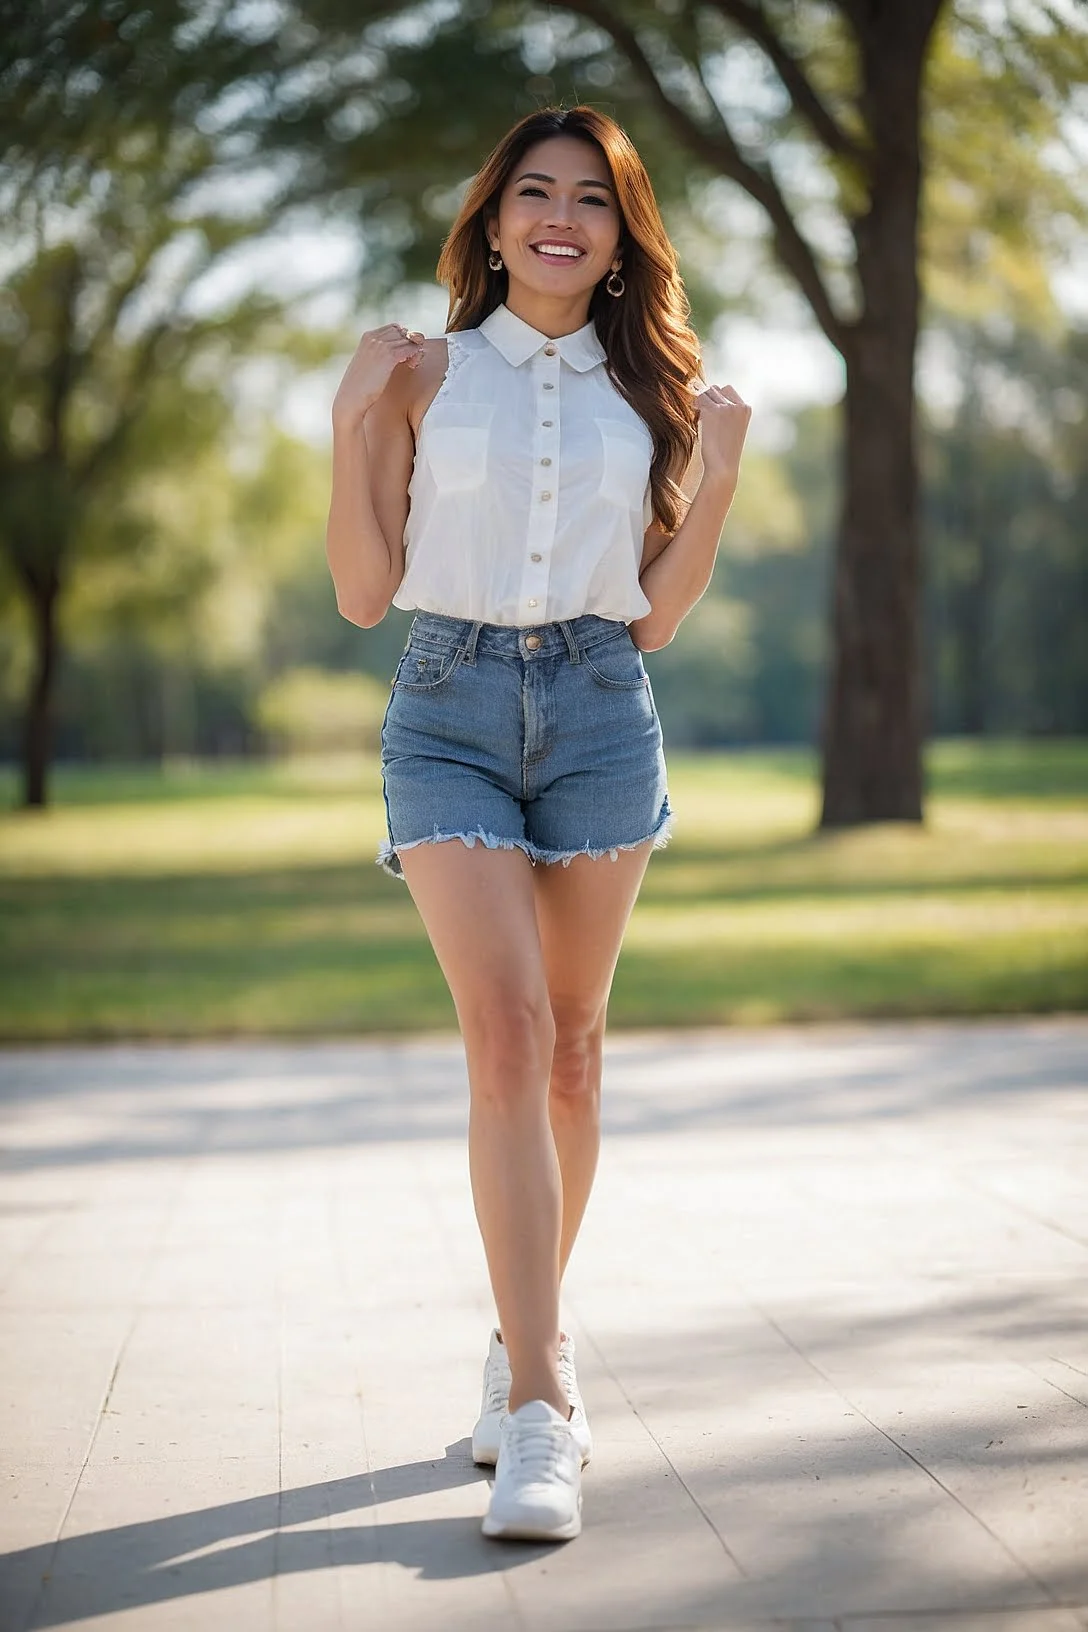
pixel 536 1446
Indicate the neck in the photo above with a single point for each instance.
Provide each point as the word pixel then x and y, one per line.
pixel 552 315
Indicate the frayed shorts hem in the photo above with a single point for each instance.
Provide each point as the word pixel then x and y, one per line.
pixel 388 855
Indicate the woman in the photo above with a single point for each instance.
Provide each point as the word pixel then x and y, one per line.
pixel 518 484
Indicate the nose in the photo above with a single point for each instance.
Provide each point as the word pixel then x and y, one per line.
pixel 560 213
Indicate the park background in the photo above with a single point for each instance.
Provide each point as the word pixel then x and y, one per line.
pixel 204 205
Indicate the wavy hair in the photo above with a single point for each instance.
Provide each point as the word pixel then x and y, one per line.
pixel 653 354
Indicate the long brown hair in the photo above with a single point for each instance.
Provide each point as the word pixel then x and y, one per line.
pixel 653 355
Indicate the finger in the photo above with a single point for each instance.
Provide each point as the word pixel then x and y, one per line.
pixel 734 396
pixel 378 339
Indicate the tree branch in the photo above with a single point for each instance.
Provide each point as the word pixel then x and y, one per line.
pixel 751 18
pixel 719 151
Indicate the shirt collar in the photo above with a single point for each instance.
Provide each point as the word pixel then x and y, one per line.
pixel 517 342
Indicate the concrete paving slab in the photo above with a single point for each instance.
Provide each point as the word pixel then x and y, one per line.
pixel 830 1301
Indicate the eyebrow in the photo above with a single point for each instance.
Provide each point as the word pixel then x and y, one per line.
pixel 536 175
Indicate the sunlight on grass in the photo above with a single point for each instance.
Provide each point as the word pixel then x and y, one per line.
pixel 243 899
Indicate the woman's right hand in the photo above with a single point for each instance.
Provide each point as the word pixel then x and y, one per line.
pixel 367 375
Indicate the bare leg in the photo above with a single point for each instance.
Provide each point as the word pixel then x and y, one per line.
pixel 479 911
pixel 582 911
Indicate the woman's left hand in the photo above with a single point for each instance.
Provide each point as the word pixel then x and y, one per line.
pixel 723 425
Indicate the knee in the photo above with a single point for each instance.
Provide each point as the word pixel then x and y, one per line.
pixel 576 1060
pixel 509 1042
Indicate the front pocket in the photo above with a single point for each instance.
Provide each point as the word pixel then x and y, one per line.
pixel 425 668
pixel 626 451
pixel 455 445
pixel 616 664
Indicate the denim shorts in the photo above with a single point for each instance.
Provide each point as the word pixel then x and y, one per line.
pixel 541 739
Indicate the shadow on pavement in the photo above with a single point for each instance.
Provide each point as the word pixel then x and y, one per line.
pixel 183 1555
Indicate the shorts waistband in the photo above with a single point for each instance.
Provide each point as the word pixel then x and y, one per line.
pixel 570 636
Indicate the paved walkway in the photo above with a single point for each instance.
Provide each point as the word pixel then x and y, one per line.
pixel 831 1305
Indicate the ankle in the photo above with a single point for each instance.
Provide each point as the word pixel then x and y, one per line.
pixel 558 1402
pixel 563 1337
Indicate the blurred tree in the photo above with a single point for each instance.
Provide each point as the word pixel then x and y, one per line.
pixel 117 203
pixel 816 111
pixel 169 644
pixel 1007 513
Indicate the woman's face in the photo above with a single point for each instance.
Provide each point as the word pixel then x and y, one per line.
pixel 558 227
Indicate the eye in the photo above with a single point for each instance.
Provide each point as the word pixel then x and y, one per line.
pixel 592 198
pixel 532 192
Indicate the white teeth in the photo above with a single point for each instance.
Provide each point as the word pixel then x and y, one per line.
pixel 558 249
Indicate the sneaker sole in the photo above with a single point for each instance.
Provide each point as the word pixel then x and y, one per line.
pixel 496 1530
pixel 484 1456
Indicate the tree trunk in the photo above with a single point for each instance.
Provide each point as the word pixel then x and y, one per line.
pixel 873 717
pixel 872 730
pixel 38 721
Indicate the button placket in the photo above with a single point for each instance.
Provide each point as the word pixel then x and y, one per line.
pixel 543 500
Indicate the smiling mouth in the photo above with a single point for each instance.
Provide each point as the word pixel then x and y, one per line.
pixel 558 252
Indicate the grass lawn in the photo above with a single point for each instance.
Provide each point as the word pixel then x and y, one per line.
pixel 243 899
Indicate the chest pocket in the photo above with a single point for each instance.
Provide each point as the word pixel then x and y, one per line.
pixel 456 445
pixel 625 467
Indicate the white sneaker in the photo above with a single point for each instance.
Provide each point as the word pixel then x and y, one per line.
pixel 495 1402
pixel 579 1422
pixel 538 1479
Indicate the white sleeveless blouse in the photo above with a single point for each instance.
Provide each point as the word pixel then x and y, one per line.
pixel 530 493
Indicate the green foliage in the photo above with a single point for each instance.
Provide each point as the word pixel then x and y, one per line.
pixel 1007 511
pixel 141 147
pixel 1005 192
pixel 113 366
pixel 311 711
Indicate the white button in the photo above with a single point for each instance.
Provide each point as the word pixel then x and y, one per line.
pixel 532 603
pixel 548 386
pixel 544 497
pixel 549 351
pixel 545 461
pixel 547 424
pixel 536 557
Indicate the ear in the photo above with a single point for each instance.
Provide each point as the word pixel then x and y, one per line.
pixel 491 229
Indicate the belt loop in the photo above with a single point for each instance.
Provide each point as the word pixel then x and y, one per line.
pixel 572 644
pixel 470 643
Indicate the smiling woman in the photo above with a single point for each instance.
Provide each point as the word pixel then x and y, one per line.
pixel 567 196
pixel 517 484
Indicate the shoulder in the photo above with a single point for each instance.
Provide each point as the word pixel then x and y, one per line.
pixel 410 390
pixel 446 353
pixel 436 355
pixel 440 361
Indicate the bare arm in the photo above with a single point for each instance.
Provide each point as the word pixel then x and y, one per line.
pixel 677 570
pixel 373 449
